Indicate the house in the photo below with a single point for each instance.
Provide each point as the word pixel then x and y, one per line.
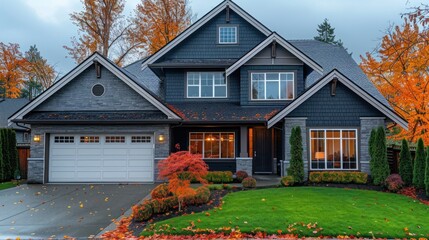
pixel 227 87
pixel 9 106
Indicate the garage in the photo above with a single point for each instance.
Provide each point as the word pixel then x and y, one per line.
pixel 101 158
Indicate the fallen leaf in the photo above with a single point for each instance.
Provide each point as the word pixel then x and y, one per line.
pixel 81 205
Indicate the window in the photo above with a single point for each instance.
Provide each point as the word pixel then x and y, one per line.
pixel 212 145
pixel 64 139
pixel 140 139
pixel 26 137
pixel 333 149
pixel 98 90
pixel 206 85
pixel 228 35
pixel 273 86
pixel 115 139
pixel 89 139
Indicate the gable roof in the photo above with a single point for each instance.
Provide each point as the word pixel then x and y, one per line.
pixel 194 27
pixel 348 83
pixel 9 106
pixel 282 42
pixel 118 72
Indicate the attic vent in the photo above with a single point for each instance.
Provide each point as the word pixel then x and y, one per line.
pixel 334 86
pixel 98 90
pixel 227 14
pixel 97 68
pixel 273 49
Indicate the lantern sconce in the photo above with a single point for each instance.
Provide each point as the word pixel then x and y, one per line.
pixel 161 138
pixel 36 138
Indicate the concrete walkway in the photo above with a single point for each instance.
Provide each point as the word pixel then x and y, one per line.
pixel 76 210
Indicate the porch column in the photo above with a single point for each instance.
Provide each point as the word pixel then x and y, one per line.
pixel 244 162
pixel 366 126
pixel 289 124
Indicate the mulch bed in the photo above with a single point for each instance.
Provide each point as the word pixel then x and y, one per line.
pixel 215 201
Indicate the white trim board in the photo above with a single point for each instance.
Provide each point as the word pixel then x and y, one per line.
pixel 348 83
pixel 289 47
pixel 194 27
pixel 79 69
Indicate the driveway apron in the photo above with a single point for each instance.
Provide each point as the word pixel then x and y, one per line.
pixel 75 210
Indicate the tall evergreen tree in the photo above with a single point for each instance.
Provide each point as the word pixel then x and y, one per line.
pixel 2 167
pixel 371 147
pixel 405 163
pixel 381 165
pixel 427 171
pixel 326 34
pixel 296 167
pixel 14 162
pixel 6 155
pixel 419 165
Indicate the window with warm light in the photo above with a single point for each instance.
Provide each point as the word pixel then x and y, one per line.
pixel 273 86
pixel 217 145
pixel 333 149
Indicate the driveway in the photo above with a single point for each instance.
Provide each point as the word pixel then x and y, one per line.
pixel 76 210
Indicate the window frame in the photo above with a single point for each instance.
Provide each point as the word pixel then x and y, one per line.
pixel 199 85
pixel 220 144
pixel 219 27
pixel 97 139
pixel 356 138
pixel 294 85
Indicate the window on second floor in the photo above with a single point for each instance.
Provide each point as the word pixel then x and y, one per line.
pixel 206 85
pixel 273 86
pixel 228 35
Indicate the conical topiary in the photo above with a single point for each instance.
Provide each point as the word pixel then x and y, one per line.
pixel 419 165
pixel 405 164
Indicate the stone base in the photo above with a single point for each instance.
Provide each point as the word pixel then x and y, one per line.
pixel 35 170
pixel 244 164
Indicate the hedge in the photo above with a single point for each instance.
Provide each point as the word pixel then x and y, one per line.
pixel 9 163
pixel 338 177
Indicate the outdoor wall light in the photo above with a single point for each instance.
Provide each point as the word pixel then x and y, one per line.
pixel 36 138
pixel 161 138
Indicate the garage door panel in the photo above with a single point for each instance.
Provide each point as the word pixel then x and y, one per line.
pixel 100 162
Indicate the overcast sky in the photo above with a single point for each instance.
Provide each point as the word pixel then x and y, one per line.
pixel 360 24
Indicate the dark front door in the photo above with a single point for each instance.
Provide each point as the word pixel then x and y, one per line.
pixel 262 153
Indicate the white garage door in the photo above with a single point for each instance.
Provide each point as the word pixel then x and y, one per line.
pixel 101 158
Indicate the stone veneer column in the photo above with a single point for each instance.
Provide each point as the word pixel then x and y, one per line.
pixel 289 124
pixel 244 162
pixel 366 125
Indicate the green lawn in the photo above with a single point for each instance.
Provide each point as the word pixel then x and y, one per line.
pixel 5 185
pixel 338 211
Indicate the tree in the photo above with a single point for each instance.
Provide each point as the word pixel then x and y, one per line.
pixel 157 22
pixel 12 69
pixel 398 69
pixel 296 167
pixel 405 164
pixel 2 160
pixel 427 171
pixel 379 164
pixel 326 34
pixel 371 148
pixel 179 168
pixel 102 28
pixel 419 165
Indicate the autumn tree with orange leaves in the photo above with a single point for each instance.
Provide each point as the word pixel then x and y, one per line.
pixel 13 67
pixel 399 69
pixel 157 22
pixel 179 168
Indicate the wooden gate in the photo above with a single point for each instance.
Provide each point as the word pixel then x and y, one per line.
pixel 23 155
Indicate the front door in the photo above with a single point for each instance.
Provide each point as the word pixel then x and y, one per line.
pixel 262 151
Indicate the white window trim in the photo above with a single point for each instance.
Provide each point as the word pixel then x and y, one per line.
pixel 265 86
pixel 341 149
pixel 203 146
pixel 199 85
pixel 226 43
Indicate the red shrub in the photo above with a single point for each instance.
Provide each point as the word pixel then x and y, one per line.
pixel 161 191
pixel 394 183
pixel 249 182
pixel 240 175
pixel 142 212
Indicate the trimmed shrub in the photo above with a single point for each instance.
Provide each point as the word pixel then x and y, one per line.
pixel 338 177
pixel 171 202
pixel 315 177
pixel 249 182
pixel 219 177
pixel 202 195
pixel 296 167
pixel 405 164
pixel 161 191
pixel 419 165
pixel 394 183
pixel 380 166
pixel 240 175
pixel 287 181
pixel 427 171
pixel 142 212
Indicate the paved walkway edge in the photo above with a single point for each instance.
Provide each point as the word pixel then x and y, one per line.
pixel 113 226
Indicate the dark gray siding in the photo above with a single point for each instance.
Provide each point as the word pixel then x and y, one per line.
pixel 202 44
pixel 343 109
pixel 245 82
pixel 175 87
pixel 77 95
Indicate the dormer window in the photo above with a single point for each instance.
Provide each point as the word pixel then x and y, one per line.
pixel 228 34
pixel 273 85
